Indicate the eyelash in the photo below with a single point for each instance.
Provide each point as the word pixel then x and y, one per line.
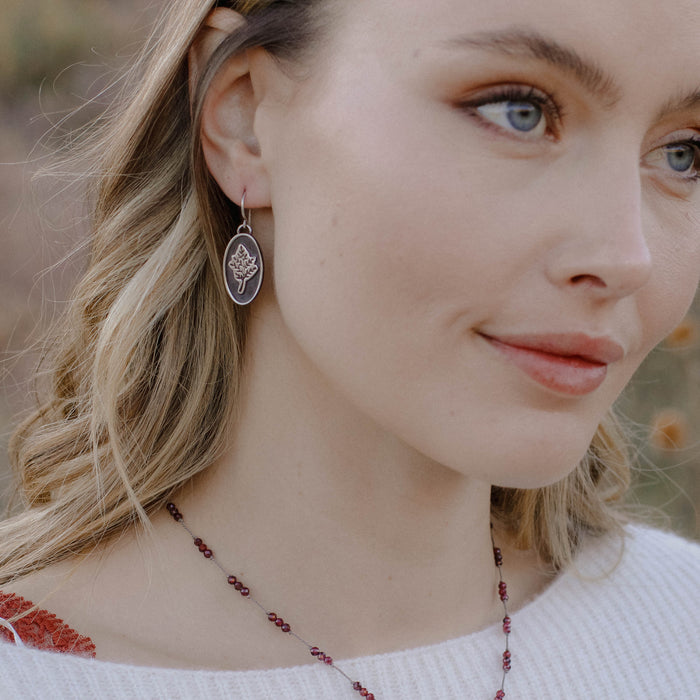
pixel 551 108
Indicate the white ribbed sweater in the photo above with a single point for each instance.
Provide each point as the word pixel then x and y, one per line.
pixel 629 635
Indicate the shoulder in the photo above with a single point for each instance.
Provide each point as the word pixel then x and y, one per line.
pixel 32 674
pixel 641 584
pixel 644 541
pixel 606 622
pixel 638 585
pixel 641 569
pixel 643 554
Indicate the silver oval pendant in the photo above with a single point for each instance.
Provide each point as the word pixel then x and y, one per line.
pixel 243 268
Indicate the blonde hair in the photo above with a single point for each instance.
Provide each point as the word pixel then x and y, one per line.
pixel 145 376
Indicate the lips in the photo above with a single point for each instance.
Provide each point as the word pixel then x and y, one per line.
pixel 568 363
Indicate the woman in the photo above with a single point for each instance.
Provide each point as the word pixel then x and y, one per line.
pixel 473 220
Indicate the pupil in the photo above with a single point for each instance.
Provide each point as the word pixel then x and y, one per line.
pixel 680 157
pixel 524 116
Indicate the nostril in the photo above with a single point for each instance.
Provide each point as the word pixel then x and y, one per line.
pixel 592 280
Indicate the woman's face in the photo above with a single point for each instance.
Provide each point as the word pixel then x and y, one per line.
pixel 486 215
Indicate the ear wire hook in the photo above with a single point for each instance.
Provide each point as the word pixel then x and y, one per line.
pixel 245 226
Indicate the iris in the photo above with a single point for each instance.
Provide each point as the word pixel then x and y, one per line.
pixel 680 156
pixel 523 116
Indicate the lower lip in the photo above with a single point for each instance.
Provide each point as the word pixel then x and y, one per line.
pixel 573 376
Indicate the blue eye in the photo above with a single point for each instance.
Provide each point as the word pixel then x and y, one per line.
pixel 524 117
pixel 681 156
pixel 520 110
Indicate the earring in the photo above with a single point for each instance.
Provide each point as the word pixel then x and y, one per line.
pixel 243 264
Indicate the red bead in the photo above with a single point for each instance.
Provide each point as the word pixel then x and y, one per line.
pixel 271 617
pixel 197 541
pixel 500 695
pixel 178 517
pixel 357 686
pixel 208 553
pixel 232 580
pixel 506 624
pixel 286 628
pixel 364 692
pixel 329 661
pixel 370 696
pixel 170 506
pixel 279 622
pixel 314 651
pixel 321 656
pixel 201 546
pixel 245 592
pixel 238 585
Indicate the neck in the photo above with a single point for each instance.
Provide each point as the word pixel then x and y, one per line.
pixel 332 517
pixel 360 542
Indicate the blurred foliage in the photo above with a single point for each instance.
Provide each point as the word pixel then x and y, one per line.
pixel 58 61
pixel 663 402
pixel 39 38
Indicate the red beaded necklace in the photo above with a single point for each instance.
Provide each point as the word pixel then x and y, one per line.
pixel 316 651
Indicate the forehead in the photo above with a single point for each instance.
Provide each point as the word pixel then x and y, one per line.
pixel 635 41
pixel 650 22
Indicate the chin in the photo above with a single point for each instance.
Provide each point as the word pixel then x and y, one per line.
pixel 526 465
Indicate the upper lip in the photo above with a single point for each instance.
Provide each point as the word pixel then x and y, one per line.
pixel 598 349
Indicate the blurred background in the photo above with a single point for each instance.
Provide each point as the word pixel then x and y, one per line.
pixel 58 62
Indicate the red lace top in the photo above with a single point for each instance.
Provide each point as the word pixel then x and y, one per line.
pixel 41 629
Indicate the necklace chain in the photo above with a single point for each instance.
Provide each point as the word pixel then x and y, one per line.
pixel 315 651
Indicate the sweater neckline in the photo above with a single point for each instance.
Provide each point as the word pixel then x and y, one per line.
pixel 597 552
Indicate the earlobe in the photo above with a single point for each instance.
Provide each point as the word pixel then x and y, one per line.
pixel 231 151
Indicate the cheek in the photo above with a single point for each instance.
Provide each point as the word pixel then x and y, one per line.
pixel 674 283
pixel 382 304
pixel 373 265
pixel 361 242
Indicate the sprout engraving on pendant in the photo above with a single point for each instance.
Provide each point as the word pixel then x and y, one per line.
pixel 243 266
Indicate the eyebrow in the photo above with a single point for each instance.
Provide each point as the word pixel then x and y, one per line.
pixel 529 44
pixel 680 104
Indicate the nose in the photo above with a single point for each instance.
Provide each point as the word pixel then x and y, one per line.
pixel 602 248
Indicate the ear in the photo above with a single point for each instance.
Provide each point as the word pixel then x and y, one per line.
pixel 231 150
